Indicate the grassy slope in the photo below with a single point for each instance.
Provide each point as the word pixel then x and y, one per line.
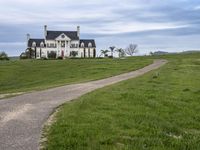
pixel 16 76
pixel 159 110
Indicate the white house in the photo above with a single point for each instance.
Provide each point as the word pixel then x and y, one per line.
pixel 63 43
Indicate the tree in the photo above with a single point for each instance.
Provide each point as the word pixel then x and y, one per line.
pixel 3 56
pixel 30 53
pixel 104 52
pixel 112 48
pixel 151 53
pixel 73 53
pixel 131 49
pixel 121 52
pixel 23 56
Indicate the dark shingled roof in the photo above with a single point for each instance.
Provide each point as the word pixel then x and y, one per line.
pixel 51 35
pixel 87 41
pixel 37 41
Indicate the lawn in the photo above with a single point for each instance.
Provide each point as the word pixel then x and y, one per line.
pixel 27 75
pixel 160 110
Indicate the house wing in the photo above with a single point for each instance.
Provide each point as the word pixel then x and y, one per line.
pixel 86 42
pixel 36 41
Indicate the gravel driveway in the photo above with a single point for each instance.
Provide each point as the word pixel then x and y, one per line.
pixel 22 117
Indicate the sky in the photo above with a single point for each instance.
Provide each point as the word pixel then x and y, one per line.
pixel 155 25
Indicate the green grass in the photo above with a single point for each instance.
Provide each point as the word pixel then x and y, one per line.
pixel 159 111
pixel 20 76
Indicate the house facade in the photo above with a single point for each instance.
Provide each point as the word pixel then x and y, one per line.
pixel 63 44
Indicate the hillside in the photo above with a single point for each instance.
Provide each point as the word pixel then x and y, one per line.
pixel 28 75
pixel 159 110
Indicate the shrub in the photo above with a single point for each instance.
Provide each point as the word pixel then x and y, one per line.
pixel 23 56
pixel 156 75
pixel 52 55
pixel 44 58
pixel 3 56
pixel 60 57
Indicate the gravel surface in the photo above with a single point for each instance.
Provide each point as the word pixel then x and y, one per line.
pixel 22 117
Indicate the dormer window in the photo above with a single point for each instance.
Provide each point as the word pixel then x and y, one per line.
pixel 41 44
pixel 33 44
pixel 90 45
pixel 82 44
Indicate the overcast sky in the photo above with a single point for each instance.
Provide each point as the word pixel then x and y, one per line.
pixel 168 25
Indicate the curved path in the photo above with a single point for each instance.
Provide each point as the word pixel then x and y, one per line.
pixel 22 117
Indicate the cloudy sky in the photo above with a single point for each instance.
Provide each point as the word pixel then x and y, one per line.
pixel 169 25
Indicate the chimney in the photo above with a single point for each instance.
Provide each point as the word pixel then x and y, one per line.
pixel 78 31
pixel 45 31
pixel 28 38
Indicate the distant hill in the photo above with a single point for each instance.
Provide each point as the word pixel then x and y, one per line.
pixel 159 53
pixel 165 53
pixel 191 51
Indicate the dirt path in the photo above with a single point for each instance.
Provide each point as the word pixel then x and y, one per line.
pixel 22 117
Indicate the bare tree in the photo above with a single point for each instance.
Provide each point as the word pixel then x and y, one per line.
pixel 131 49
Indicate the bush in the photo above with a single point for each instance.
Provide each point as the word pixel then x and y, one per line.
pixel 3 56
pixel 23 56
pixel 44 58
pixel 60 57
pixel 156 75
pixel 52 55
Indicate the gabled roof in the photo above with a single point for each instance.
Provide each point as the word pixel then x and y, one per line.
pixel 52 35
pixel 37 41
pixel 87 41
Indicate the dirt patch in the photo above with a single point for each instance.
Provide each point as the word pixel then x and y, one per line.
pixel 10 95
pixel 46 127
pixel 17 113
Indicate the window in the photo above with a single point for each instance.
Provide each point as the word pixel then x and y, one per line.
pixel 63 44
pixel 51 45
pixel 73 46
pixel 82 44
pixel 33 44
pixel 41 44
pixel 90 45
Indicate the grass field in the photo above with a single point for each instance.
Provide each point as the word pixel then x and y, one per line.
pixel 27 75
pixel 160 111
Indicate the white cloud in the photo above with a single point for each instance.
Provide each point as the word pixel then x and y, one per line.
pixel 65 12
pixel 94 16
pixel 197 7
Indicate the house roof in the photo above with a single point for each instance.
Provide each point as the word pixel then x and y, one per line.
pixel 37 41
pixel 87 41
pixel 51 35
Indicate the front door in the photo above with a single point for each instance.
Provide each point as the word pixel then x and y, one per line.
pixel 62 54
